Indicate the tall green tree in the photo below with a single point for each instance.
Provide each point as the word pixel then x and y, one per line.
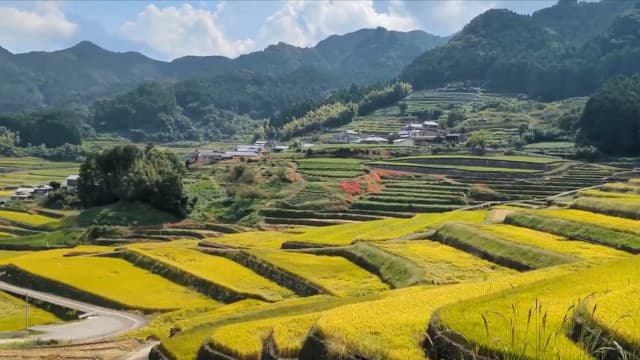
pixel 127 173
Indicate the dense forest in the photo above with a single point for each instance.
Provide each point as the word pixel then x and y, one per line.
pixel 611 119
pixel 563 51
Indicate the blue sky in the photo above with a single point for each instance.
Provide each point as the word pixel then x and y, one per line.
pixel 166 30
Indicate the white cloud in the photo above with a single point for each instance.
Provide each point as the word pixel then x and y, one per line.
pixel 21 29
pixel 304 23
pixel 184 30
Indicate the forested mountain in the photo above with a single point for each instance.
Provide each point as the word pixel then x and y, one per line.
pixel 86 72
pixel 562 51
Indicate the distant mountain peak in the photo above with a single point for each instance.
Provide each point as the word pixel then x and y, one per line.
pixel 85 46
pixel 4 51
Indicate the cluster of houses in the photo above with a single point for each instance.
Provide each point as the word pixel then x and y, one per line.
pixel 205 157
pixel 40 191
pixel 413 133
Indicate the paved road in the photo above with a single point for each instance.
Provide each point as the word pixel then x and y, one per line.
pixel 101 323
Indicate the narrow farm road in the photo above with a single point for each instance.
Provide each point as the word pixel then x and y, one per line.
pixel 98 323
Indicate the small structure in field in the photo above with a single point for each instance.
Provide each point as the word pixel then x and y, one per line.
pixel 22 193
pixel 41 191
pixel 344 137
pixel 71 182
pixel 374 140
pixel 431 126
pixel 456 138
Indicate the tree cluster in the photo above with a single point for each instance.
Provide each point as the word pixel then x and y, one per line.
pixel 611 119
pixel 331 115
pixel 541 55
pixel 129 174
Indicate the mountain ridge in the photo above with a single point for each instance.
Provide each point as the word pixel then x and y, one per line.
pixel 87 72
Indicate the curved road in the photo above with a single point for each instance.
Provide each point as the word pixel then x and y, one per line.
pixel 99 323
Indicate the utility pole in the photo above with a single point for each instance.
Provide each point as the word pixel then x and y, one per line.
pixel 26 311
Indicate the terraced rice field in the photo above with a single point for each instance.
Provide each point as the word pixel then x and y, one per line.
pixel 331 167
pixel 112 279
pixel 336 275
pixel 246 340
pixel 616 314
pixel 254 239
pixel 609 222
pixel 443 264
pixel 12 314
pixel 393 327
pixel 26 218
pixel 546 306
pixel 34 171
pixel 215 269
pixel 385 229
pixel 559 244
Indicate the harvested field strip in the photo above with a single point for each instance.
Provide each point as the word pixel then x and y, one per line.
pixel 115 280
pixel 626 208
pixel 609 222
pixel 385 229
pixel 12 314
pixel 256 239
pixel 410 195
pixel 514 158
pixel 42 240
pixel 387 206
pixel 577 231
pixel 452 167
pixel 442 200
pixel 414 192
pixel 503 252
pixel 553 243
pixel 335 274
pixel 306 214
pixel 306 221
pixel 246 340
pixel 547 304
pixel 215 270
pixel 395 326
pixel 332 174
pixel 443 264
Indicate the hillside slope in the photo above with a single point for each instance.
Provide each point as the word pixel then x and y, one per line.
pixel 557 52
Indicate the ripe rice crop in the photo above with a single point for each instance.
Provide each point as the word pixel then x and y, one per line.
pixel 443 264
pixel 610 222
pixel 255 239
pixel 576 230
pixel 393 328
pixel 495 249
pixel 617 313
pixel 530 321
pixel 385 229
pixel 6 255
pixel 337 275
pixel 245 341
pixel 12 314
pixel 216 269
pixel 553 242
pixel 623 207
pixel 26 218
pixel 621 187
pixel 609 194
pixel 110 278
